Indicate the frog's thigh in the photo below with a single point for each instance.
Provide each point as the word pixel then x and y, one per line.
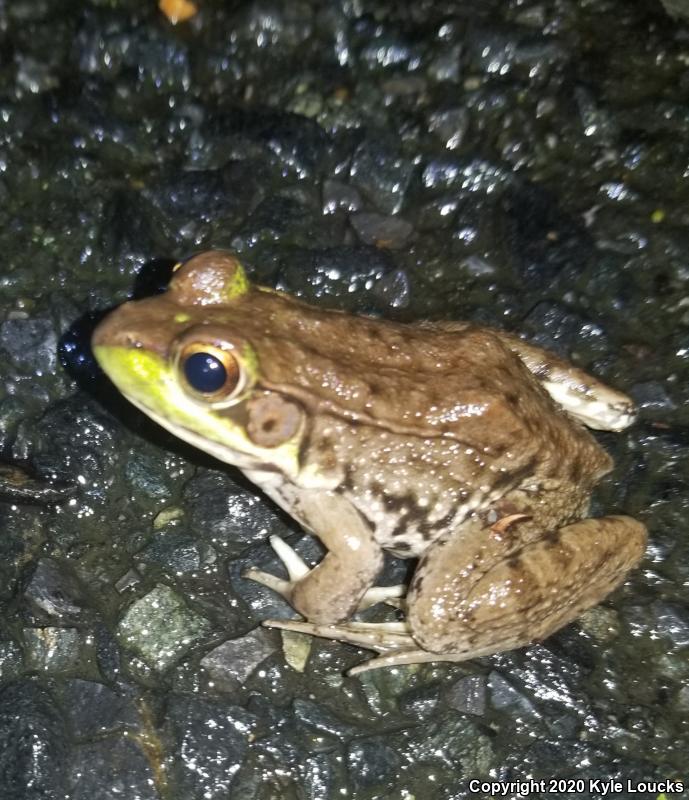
pixel 331 591
pixel 481 591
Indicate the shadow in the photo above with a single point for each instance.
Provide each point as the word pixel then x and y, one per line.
pixel 74 346
pixel 153 277
pixel 77 359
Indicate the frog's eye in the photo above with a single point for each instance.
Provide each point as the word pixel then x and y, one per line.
pixel 212 373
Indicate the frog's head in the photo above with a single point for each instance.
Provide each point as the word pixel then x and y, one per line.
pixel 184 359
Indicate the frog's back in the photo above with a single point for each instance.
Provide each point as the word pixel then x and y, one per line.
pixel 461 383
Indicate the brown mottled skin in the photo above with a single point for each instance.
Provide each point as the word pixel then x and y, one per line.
pixel 424 436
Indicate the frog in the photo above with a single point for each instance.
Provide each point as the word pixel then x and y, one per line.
pixel 463 447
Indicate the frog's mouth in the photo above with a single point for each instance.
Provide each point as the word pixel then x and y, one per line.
pixel 222 452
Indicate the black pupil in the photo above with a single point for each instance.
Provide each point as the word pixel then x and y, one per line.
pixel 205 373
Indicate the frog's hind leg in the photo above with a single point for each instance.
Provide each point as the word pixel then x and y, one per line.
pixel 332 591
pixel 485 589
pixel 581 395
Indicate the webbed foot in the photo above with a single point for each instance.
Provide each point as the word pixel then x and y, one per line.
pixel 392 640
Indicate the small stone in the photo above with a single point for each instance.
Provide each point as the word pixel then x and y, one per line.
pixel 601 623
pixel 206 743
pixel 478 267
pixel 31 345
pixel 450 126
pixel 54 592
pixel 372 762
pixel 683 698
pixel 111 769
pixel 129 580
pixel 231 663
pixel 317 716
pixel 167 516
pixel 387 51
pixel 381 175
pixel 229 516
pixel 393 289
pixel 161 628
pixel 339 196
pixel 447 65
pixel 93 709
pixel 561 330
pixel 505 696
pixel 671 620
pixel 297 649
pixel 381 230
pixel 35 76
pixel 344 276
pixel 11 661
pixel 76 438
pixel 53 650
pixel 33 744
pixel 465 175
pixel 455 739
pixel 154 473
pixel 177 552
pixel 534 16
pixel 421 702
pixel 468 695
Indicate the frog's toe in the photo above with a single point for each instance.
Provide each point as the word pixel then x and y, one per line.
pixel 382 637
pixel 404 656
pixel 279 585
pixel 392 595
pixel 293 563
pixel 392 640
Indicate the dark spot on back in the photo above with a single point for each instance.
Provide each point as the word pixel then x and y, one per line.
pixel 324 445
pixel 428 529
pixel 516 476
pixel 511 399
pixel 503 479
pixel 496 450
pixel 576 470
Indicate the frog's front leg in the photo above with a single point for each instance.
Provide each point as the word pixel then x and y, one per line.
pixel 333 590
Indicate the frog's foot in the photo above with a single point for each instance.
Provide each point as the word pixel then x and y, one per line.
pixel 297 569
pixel 393 640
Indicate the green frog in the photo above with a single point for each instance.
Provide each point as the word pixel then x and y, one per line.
pixel 458 445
